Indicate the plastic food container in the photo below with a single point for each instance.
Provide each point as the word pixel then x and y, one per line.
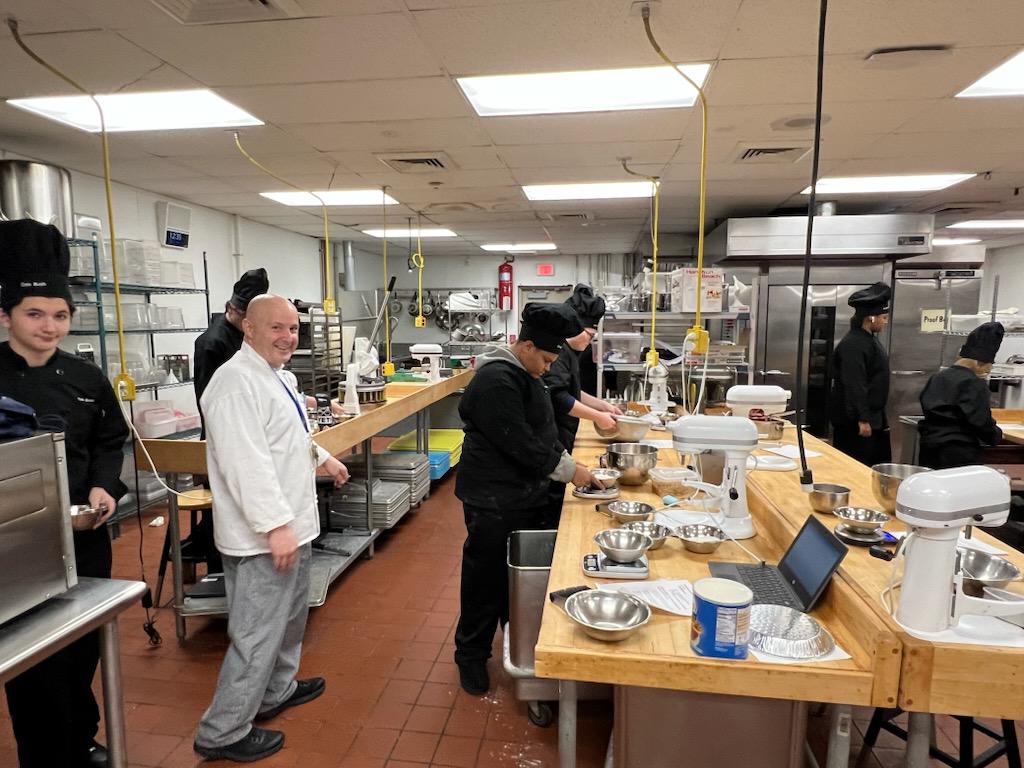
pixel 674 481
pixel 744 398
pixel 622 348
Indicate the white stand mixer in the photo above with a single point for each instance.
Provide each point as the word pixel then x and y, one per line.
pixel 936 506
pixel 657 376
pixel 431 355
pixel 736 437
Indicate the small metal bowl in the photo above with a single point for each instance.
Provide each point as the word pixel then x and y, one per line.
pixel 83 518
pixel 861 519
pixel 608 477
pixel 700 538
pixel 655 531
pixel 628 511
pixel 607 616
pixel 981 570
pixel 827 496
pixel 621 545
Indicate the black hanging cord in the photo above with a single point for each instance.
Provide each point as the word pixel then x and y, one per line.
pixel 806 477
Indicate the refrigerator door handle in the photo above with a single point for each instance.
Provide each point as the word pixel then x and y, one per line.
pixel 773 372
pixel 907 373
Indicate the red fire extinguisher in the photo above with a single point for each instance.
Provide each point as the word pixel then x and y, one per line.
pixel 505 283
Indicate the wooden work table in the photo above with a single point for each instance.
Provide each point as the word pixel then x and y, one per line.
pixel 659 655
pixel 936 677
pixel 1004 416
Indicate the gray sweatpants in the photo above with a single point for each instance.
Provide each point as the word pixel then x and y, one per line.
pixel 266 621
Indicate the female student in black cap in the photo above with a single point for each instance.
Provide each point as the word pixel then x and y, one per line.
pixel 957 416
pixel 53 710
pixel 510 456
pixel 860 380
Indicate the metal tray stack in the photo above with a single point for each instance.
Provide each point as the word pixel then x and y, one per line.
pixel 412 469
pixel 390 503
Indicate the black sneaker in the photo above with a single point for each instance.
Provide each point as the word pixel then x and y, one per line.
pixel 474 678
pixel 305 690
pixel 97 757
pixel 255 745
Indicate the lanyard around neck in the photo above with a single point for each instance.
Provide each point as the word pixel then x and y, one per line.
pixel 298 408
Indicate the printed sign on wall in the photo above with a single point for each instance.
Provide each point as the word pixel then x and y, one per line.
pixel 933 320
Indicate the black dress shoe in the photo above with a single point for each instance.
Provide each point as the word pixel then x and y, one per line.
pixel 305 690
pixel 97 757
pixel 255 745
pixel 474 678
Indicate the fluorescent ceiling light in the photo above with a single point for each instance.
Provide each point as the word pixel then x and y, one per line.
pixel 332 197
pixel 1005 80
pixel 519 247
pixel 955 240
pixel 989 224
pixel 156 111
pixel 424 232
pixel 609 190
pixel 597 90
pixel 927 182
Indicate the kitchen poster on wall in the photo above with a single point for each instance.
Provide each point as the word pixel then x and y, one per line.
pixel 933 320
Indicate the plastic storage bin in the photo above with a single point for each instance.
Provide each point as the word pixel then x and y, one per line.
pixel 672 480
pixel 620 347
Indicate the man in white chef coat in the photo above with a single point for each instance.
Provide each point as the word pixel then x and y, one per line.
pixel 261 459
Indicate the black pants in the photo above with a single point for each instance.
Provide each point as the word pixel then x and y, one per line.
pixel 556 496
pixel 867 450
pixel 948 454
pixel 484 597
pixel 53 711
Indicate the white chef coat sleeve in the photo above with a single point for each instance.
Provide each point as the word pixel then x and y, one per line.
pixel 246 463
pixel 322 455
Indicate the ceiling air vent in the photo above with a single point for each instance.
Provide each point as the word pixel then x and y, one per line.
pixel 453 208
pixel 568 218
pixel 197 12
pixel 418 162
pixel 773 152
pixel 961 207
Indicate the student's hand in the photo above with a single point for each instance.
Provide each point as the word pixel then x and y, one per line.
pixel 864 429
pixel 101 500
pixel 335 469
pixel 605 421
pixel 583 478
pixel 284 547
pixel 609 408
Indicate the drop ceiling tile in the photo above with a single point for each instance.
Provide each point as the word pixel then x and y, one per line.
pixel 945 150
pixel 236 165
pixel 573 174
pixel 966 115
pixel 311 181
pixel 310 50
pixel 258 140
pixel 639 125
pixel 579 154
pixel 402 182
pixel 420 197
pixel 396 135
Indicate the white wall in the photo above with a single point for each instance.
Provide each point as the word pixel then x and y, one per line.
pixel 1008 263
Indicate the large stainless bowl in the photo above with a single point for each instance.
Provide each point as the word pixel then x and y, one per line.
pixel 861 519
pixel 633 460
pixel 83 517
pixel 886 479
pixel 700 538
pixel 621 545
pixel 608 616
pixel 825 497
pixel 656 531
pixel 627 511
pixel 982 570
pixel 628 429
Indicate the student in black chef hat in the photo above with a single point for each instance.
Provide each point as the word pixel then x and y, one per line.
pixel 510 455
pixel 53 710
pixel 958 421
pixel 860 380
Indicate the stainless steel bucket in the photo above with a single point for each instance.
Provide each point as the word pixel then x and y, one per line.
pixel 37 191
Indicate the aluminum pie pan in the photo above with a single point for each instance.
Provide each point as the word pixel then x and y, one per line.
pixel 788 633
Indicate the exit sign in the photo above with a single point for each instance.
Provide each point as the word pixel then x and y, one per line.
pixel 545 270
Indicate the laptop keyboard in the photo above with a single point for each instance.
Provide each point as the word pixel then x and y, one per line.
pixel 767 586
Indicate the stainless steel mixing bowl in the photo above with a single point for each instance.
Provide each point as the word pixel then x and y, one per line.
pixel 627 511
pixel 621 545
pixel 861 519
pixel 608 616
pixel 886 479
pixel 700 538
pixel 982 570
pixel 656 531
pixel 825 497
pixel 83 517
pixel 628 429
pixel 609 477
pixel 633 460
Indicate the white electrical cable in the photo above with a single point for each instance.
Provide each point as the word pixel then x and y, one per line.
pixel 886 594
pixel 149 459
pixel 718 522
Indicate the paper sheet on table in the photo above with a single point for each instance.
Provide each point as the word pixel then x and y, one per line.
pixel 837 654
pixel 965 543
pixel 670 595
pixel 657 443
pixel 770 463
pixel 791 452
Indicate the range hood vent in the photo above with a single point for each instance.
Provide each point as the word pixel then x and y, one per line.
pixel 417 162
pixel 874 237
pixel 199 12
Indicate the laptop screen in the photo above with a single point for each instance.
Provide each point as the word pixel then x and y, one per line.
pixel 811 560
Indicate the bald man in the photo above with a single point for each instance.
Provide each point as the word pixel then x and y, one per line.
pixel 261 460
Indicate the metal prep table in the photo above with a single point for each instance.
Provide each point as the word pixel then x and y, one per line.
pixel 40 633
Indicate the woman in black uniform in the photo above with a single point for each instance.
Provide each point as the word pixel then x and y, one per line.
pixel 860 380
pixel 958 419
pixel 53 710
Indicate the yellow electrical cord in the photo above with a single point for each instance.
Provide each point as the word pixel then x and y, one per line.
pixel 388 369
pixel 652 358
pixel 419 262
pixel 699 334
pixel 124 383
pixel 330 305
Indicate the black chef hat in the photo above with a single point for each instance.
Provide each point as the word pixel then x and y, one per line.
pixel 549 325
pixel 983 343
pixel 873 300
pixel 34 261
pixel 589 308
pixel 250 285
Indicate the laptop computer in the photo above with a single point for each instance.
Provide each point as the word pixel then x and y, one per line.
pixel 801 576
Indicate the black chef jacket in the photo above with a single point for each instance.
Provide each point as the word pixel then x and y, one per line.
pixel 957 418
pixel 511 445
pixel 214 347
pixel 563 380
pixel 860 381
pixel 78 392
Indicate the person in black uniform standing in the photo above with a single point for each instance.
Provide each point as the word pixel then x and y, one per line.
pixel 53 710
pixel 860 380
pixel 569 401
pixel 510 456
pixel 958 419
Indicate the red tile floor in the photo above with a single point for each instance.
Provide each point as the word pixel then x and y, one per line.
pixel 384 643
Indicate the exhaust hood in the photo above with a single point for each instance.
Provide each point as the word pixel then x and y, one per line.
pixel 835 237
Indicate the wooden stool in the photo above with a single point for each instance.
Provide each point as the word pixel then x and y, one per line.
pixel 194 500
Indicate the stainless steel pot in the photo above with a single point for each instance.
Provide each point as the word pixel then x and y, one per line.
pixel 633 460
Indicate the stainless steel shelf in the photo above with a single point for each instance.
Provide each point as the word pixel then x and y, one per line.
pixel 152 387
pixel 675 316
pixel 88 283
pixel 968 333
pixel 95 332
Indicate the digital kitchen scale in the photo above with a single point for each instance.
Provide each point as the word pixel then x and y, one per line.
pixel 601 494
pixel 859 538
pixel 597 566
